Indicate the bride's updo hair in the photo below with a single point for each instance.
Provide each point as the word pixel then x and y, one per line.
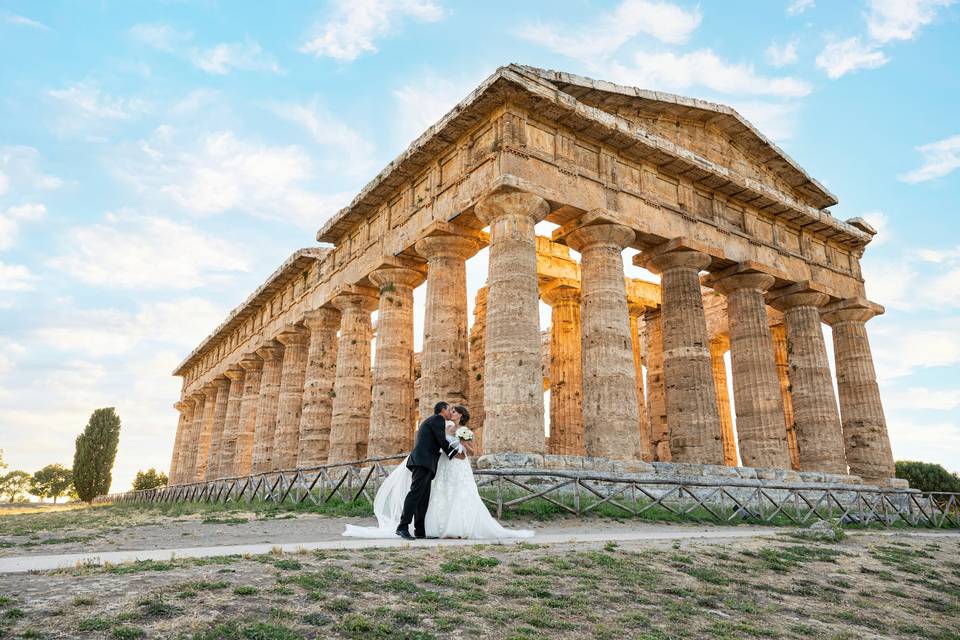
pixel 464 414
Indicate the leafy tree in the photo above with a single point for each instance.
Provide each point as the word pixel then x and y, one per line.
pixel 96 450
pixel 51 482
pixel 149 479
pixel 3 465
pixel 927 476
pixel 14 484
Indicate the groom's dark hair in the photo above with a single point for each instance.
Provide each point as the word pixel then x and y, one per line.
pixel 464 414
pixel 440 406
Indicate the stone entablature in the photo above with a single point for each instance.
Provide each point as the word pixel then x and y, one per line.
pixel 690 185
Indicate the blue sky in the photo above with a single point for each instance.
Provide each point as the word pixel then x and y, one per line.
pixel 159 160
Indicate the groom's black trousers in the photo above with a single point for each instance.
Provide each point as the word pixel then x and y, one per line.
pixel 417 500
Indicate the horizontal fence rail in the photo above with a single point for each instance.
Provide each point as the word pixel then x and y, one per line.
pixel 580 493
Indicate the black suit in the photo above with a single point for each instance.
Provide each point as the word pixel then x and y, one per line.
pixel 422 462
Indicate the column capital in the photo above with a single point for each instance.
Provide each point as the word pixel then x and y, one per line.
pixel 728 284
pixel 270 350
pixel 355 298
pixel 251 362
pixel 447 246
pixel 684 258
pixel 198 397
pixel 611 235
pixel 388 277
pixel 559 291
pixel 503 203
pixel 636 309
pixel 850 310
pixel 181 405
pixel 292 335
pixel 801 299
pixel 221 382
pixel 234 373
pixel 322 318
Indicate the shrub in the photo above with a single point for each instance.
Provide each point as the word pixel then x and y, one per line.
pixel 927 476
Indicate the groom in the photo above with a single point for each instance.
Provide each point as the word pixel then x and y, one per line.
pixel 422 462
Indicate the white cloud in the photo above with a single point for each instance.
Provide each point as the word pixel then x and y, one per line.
pixel 924 279
pixel 24 21
pixel 939 159
pixel 781 55
pixel 19 172
pixel 889 20
pixel 937 442
pixel 841 57
pixel 776 120
pixel 923 398
pixel 704 68
pixel 89 101
pixel 160 36
pixel 11 219
pixel 355 26
pixel 418 105
pixel 225 57
pixel 610 30
pixel 900 350
pixel 16 277
pixel 214 173
pixel 145 252
pixel 354 152
pixel 878 220
pixel 796 7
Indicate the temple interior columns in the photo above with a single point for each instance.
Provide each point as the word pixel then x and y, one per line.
pixel 513 382
pixel 718 347
pixel 566 372
pixel 779 334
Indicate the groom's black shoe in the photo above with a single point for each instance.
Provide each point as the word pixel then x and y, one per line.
pixel 405 534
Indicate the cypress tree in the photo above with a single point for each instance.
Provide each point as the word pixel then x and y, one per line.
pixel 94 454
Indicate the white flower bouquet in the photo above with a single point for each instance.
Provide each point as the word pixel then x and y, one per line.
pixel 464 433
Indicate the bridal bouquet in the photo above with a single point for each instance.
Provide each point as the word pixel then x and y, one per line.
pixel 464 433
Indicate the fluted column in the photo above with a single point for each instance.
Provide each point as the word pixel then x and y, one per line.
pixel 252 366
pixel 443 361
pixel 189 460
pixel 691 397
pixel 779 334
pixel 231 423
pixel 318 386
pixel 656 400
pixel 815 417
pixel 206 430
pixel 266 426
pixel 638 311
pixel 718 347
pixel 566 369
pixel 609 373
pixel 185 415
pixel 295 341
pixel 212 468
pixel 477 357
pixel 513 389
pixel 867 443
pixel 391 426
pixel 756 386
pixel 350 423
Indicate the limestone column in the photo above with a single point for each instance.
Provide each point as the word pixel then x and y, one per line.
pixel 211 390
pixel 391 425
pixel 656 400
pixel 718 347
pixel 779 334
pixel 212 468
pixel 815 417
pixel 638 311
pixel 295 341
pixel 609 372
pixel 566 369
pixel 691 396
pixel 185 414
pixel 350 423
pixel 266 426
pixel 866 441
pixel 231 424
pixel 318 386
pixel 477 356
pixel 189 460
pixel 756 386
pixel 252 366
pixel 443 361
pixel 513 388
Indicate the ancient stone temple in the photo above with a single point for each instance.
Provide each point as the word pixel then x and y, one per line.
pixel 750 262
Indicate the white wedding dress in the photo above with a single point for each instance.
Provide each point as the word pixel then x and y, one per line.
pixel 456 509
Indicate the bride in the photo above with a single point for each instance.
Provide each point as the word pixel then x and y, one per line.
pixel 455 508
